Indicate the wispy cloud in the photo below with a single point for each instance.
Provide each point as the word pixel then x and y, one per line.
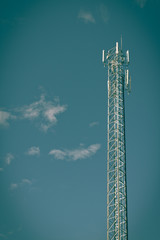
pixel 74 155
pixel 92 124
pixel 86 16
pixel 13 186
pixel 141 3
pixel 3 235
pixel 33 151
pixel 33 110
pixel 84 153
pixel 8 159
pixel 5 117
pixel 42 111
pixel 24 182
pixel 1 169
pixel 104 13
pixel 58 154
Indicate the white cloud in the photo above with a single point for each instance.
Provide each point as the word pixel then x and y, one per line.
pixel 52 111
pixel 73 155
pixel 33 151
pixel 58 154
pixel 4 117
pixel 92 124
pixel 27 181
pixel 104 13
pixel 45 127
pixel 9 157
pixel 44 111
pixel 32 110
pixel 141 3
pixel 13 186
pixel 23 183
pixel 31 113
pixel 83 153
pixel 86 16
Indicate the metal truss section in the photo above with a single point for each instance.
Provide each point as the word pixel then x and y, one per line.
pixel 118 80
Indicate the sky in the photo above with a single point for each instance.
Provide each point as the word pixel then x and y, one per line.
pixel 53 117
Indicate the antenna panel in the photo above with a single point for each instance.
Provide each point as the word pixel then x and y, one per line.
pixel 116 47
pixel 127 56
pixel 103 56
pixel 126 78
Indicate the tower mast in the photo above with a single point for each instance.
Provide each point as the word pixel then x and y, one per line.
pixel 118 80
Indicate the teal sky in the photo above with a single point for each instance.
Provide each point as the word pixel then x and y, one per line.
pixel 53 117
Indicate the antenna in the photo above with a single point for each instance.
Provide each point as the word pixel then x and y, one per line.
pixel 116 47
pixel 127 56
pixel 103 56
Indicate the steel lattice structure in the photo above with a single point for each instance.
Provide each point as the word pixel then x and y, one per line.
pixel 118 80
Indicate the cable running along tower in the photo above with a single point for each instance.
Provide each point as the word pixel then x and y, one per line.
pixel 118 81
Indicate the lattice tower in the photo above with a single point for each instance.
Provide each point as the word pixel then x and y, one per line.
pixel 118 80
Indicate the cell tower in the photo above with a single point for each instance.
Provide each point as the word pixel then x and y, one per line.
pixel 118 80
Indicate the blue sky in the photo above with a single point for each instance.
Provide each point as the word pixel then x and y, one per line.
pixel 53 117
